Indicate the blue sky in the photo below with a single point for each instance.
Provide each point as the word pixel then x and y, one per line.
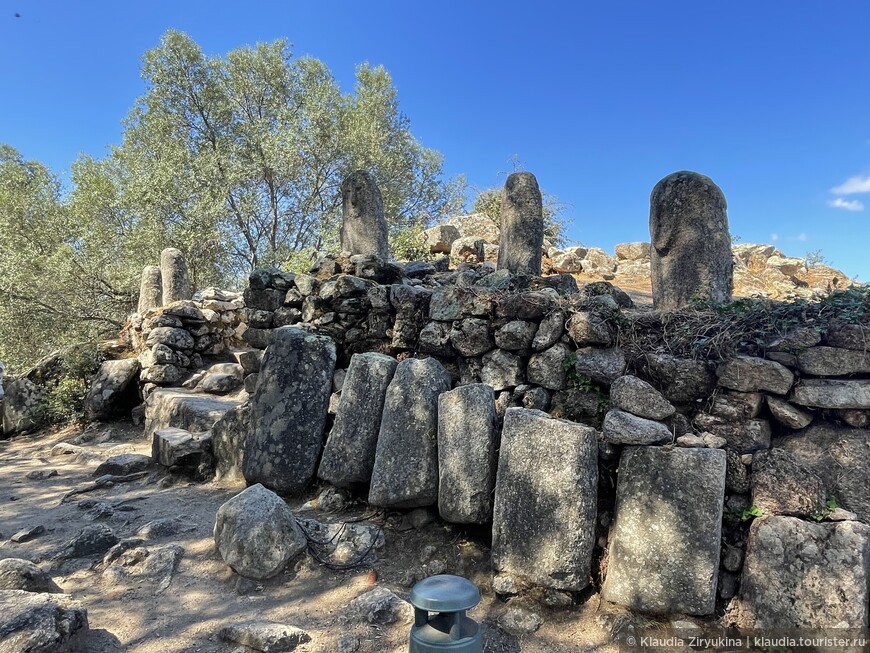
pixel 600 100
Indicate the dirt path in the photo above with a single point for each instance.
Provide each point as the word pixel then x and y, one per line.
pixel 204 595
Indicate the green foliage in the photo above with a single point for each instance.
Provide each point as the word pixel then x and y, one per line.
pixel 822 513
pixel 488 202
pixel 744 514
pixel 235 160
pixel 407 245
pixel 249 150
pixel 64 399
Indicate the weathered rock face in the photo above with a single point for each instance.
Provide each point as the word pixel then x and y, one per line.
pixel 620 427
pixel 20 405
pixel 17 574
pixel 363 227
pixel 664 545
pixel 743 437
pixel 265 636
pixel 752 374
pixel 173 272
pixel 228 437
pixel 405 473
pixel 799 575
pixel 288 410
pixel 639 398
pixel 832 393
pixel 439 239
pixel 256 533
pixel 691 244
pixel 150 289
pixel 477 225
pixel 840 457
pixel 546 497
pixel 349 454
pixel 112 380
pixel 183 409
pixel 782 486
pixel 682 380
pixel 788 415
pixel 522 225
pixel 467 440
pixel 38 623
pixel 833 361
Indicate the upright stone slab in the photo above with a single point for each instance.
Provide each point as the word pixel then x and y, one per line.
pixel 150 288
pixel 405 474
pixel 109 386
pixel 691 245
pixel 173 270
pixel 349 454
pixel 522 225
pixel 363 227
pixel 546 496
pixel 663 556
pixel 288 410
pixel 467 443
pixel 804 576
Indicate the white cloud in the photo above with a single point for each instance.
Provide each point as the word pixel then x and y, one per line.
pixel 774 237
pixel 803 238
pixel 852 186
pixel 846 205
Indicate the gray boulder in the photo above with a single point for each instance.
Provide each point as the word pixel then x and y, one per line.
pixel 288 410
pixel 691 245
pixel 799 575
pixel 363 226
pixel 349 454
pixel 840 457
pixel 522 225
pixel 39 623
pixel 744 436
pixel 17 574
pixel 550 329
pixel 620 427
pixel 184 409
pixel 546 496
pixel 501 370
pixel 471 337
pixel 639 398
pixel 849 336
pixel 405 473
pixel 150 289
pixel 833 361
pixel 603 366
pixel 123 464
pixel 663 553
pixel 256 533
pixel 788 415
pixel 751 374
pixel 173 337
pixel 467 440
pixel 588 328
pixel 832 393
pixel 515 335
pixel 782 486
pixel 265 636
pixel 110 383
pixel 682 380
pixel 21 404
pixel 547 368
pixel 173 272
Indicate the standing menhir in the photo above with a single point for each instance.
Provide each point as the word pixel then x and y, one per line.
pixel 363 227
pixel 150 289
pixel 522 225
pixel 176 282
pixel 691 245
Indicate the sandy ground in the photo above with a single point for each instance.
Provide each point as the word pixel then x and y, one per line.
pixel 205 594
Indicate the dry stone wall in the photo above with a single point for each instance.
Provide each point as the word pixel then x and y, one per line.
pixel 517 402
